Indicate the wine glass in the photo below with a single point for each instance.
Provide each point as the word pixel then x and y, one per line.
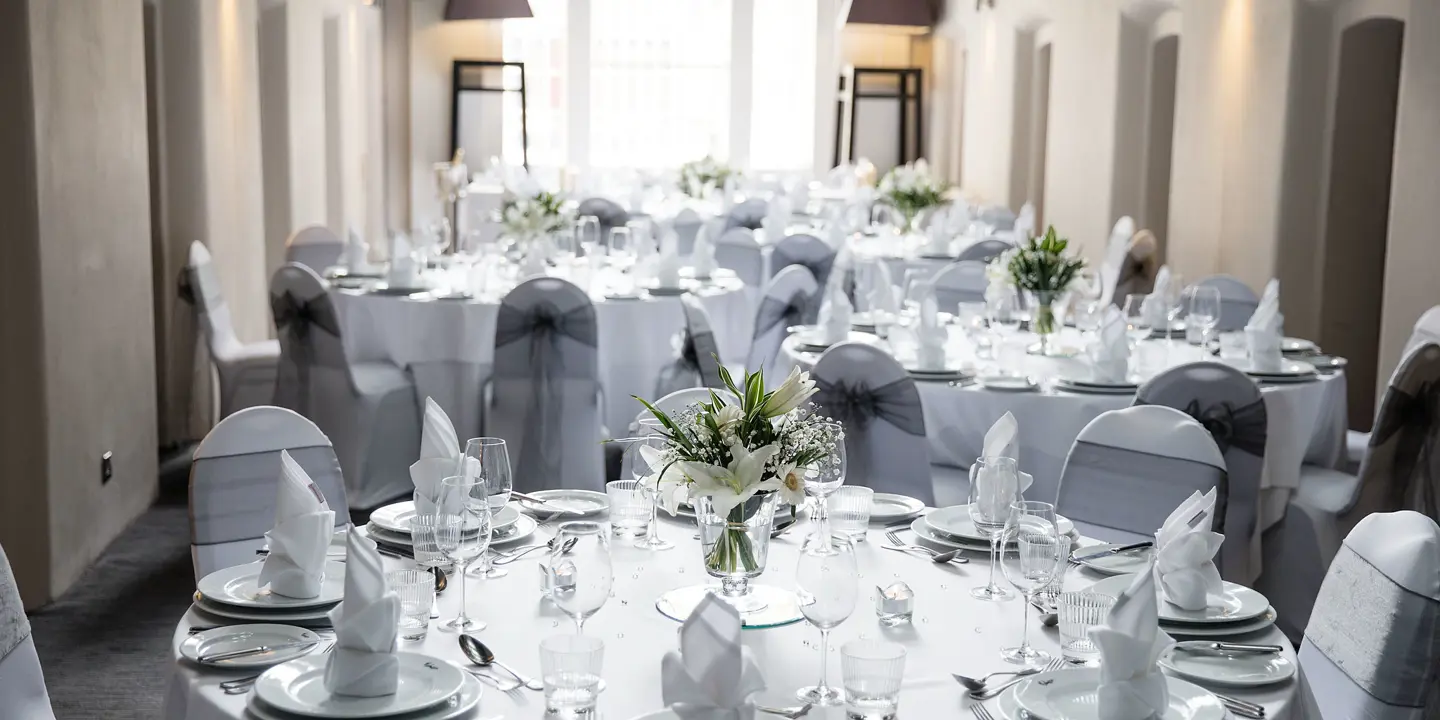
pixel 621 247
pixel 487 460
pixel 648 476
pixel 1003 308
pixel 994 486
pixel 582 572
pixel 1137 325
pixel 587 234
pixel 827 585
pixel 462 534
pixel 1174 302
pixel 1204 311
pixel 1030 564
pixel 826 475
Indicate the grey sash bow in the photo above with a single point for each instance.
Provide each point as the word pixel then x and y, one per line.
pixel 1243 428
pixel 855 405
pixel 544 325
pixel 749 214
pixel 294 318
pixel 774 311
pixel 608 212
pixel 1411 417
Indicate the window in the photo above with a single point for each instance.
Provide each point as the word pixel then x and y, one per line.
pixel 539 42
pixel 782 135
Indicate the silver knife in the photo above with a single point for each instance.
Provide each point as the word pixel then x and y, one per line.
pixel 1224 648
pixel 231 655
pixel 544 504
pixel 1114 550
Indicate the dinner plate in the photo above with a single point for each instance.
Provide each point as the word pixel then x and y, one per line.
pixel 308 616
pixel 890 507
pixel 954 522
pixel 666 291
pixel 1104 384
pixel 1327 363
pixel 523 528
pixel 923 531
pixel 298 687
pixel 811 339
pixel 395 518
pixel 937 375
pixel 1072 694
pixel 1286 369
pixel 243 637
pixel 396 290
pixel 1008 383
pixel 1126 563
pixel 239 586
pixel 1297 345
pixel 458 706
pixel 1228 630
pixel 589 502
pixel 1238 604
pixel 1232 669
pixel 1070 387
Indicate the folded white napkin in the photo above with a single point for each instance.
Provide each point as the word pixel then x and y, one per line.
pixel 363 663
pixel 1185 554
pixel 702 257
pixel 1110 351
pixel 1265 328
pixel 637 199
pixel 667 270
pixel 533 262
pixel 835 312
pixel 439 457
pixel 799 196
pixel 1025 223
pixel 1115 257
pixel 884 296
pixel 1157 302
pixel 957 222
pixel 930 335
pixel 727 193
pixel 403 271
pixel 1130 641
pixel 1001 440
pixel 295 566
pixel 357 253
pixel 712 676
pixel 937 235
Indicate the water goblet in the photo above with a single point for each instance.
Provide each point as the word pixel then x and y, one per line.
pixel 487 460
pixel 582 572
pixel 1029 564
pixel 994 486
pixel 828 583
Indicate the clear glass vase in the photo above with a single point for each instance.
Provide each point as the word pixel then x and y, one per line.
pixel 1041 306
pixel 735 546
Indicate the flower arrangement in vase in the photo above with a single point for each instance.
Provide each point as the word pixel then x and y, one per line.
pixel 1045 273
pixel 530 215
pixel 910 189
pixel 699 177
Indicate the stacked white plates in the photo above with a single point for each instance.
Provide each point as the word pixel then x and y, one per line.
pixel 580 503
pixel 952 371
pixel 951 527
pixel 1096 387
pixel 1288 371
pixel 1119 563
pixel 429 689
pixel 1194 660
pixel 1291 345
pixel 1008 383
pixel 1074 695
pixel 1239 611
pixel 234 593
pixel 286 639
pixel 886 508
pixel 391 524
pixel 811 338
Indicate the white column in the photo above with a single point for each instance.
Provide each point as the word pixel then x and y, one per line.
pixel 829 18
pixel 577 89
pixel 742 79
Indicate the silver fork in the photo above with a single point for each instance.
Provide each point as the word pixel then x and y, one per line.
pixel 240 686
pixel 980 712
pixel 898 544
pixel 988 693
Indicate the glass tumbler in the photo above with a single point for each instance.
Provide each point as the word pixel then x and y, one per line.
pixel 872 672
pixel 570 668
pixel 629 507
pixel 416 590
pixel 1080 611
pixel 849 509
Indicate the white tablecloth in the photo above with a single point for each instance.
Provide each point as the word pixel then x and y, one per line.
pixel 449 345
pixel 950 632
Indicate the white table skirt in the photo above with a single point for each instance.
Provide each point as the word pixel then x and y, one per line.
pixel 449 345
pixel 951 632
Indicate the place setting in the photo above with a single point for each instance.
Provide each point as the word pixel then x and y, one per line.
pixel 1109 362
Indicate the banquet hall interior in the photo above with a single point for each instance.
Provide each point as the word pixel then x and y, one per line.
pixel 740 318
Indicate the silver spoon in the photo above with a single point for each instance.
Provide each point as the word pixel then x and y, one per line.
pixel 974 685
pixel 481 655
pixel 940 558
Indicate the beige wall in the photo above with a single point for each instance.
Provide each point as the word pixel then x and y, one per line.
pixel 81 90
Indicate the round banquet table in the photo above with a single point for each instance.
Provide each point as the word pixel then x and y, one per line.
pixel 448 346
pixel 951 632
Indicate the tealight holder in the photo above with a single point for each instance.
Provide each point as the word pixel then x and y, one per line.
pixel 894 604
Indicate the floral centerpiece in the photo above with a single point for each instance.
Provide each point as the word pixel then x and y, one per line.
pixel 1043 271
pixel 911 190
pixel 699 177
pixel 530 215
pixel 733 462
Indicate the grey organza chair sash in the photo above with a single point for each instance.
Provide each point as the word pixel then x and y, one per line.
pixel 607 211
pixel 775 311
pixel 1382 636
pixel 872 458
pixel 232 497
pixel 1131 490
pixel 737 250
pixel 309 332
pixel 547 345
pixel 811 253
pixel 748 214
pixel 1402 464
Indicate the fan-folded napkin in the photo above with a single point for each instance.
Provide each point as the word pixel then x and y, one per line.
pixel 835 312
pixel 363 663
pixel 1130 641
pixel 1263 331
pixel 1110 352
pixel 357 253
pixel 931 335
pixel 702 256
pixel 995 492
pixel 439 457
pixel 667 270
pixel 1157 303
pixel 304 522
pixel 937 234
pixel 1115 257
pixel 1185 554
pixel 1025 223
pixel 883 297
pixel 712 676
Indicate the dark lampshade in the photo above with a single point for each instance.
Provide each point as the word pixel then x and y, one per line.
pixel 487 9
pixel 917 13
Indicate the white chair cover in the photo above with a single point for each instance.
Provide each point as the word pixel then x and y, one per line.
pixel 697 363
pixel 22 683
pixel 868 392
pixel 962 281
pixel 1115 249
pixel 545 392
pixel 789 294
pixel 1129 469
pixel 687 226
pixel 748 214
pixel 607 211
pixel 984 251
pixel 246 372
pixel 814 254
pixel 233 480
pixel 1001 217
pixel 1140 266
pixel 1229 405
pixel 315 247
pixel 1427 330
pixel 737 250
pixel 1372 648
pixel 1237 301
pixel 1402 464
pixel 368 410
pixel 679 400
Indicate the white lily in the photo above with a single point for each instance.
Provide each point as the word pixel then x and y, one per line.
pixel 729 416
pixel 732 485
pixel 792 484
pixel 796 389
pixel 670 482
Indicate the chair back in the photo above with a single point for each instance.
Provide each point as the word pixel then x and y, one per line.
pixel 678 400
pixel 1001 217
pixel 1229 405
pixel 1402 463
pixel 545 389
pixel 737 250
pixel 312 356
pixel 790 292
pixel 201 288
pixel 315 247
pixel 1237 301
pixel 876 401
pixel 748 214
pixel 696 363
pixel 1129 469
pixel 234 477
pixel 1372 646
pixel 1141 265
pixel 607 211
pixel 961 281
pixel 686 224
pixel 814 254
pixel 983 251
pixel 22 683
pixel 1427 330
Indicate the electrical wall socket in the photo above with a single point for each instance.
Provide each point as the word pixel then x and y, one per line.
pixel 107 469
